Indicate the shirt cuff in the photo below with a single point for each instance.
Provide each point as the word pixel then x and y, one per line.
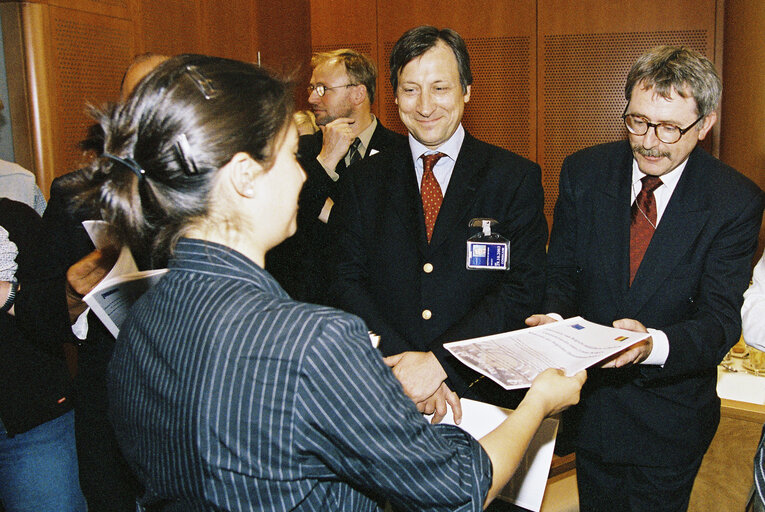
pixel 555 316
pixel 660 350
pixel 80 327
pixel 330 172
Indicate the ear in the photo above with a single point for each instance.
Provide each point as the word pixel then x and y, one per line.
pixel 466 96
pixel 242 171
pixel 359 94
pixel 707 124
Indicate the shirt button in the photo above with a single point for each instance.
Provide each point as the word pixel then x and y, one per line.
pixel 427 268
pixel 426 314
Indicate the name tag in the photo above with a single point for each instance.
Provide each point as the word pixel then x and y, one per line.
pixel 487 250
pixel 487 255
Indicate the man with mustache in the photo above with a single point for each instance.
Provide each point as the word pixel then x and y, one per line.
pixel 653 235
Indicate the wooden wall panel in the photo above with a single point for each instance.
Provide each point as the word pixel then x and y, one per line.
pixel 284 35
pixel 347 24
pixel 115 8
pixel 229 29
pixel 584 56
pixel 742 142
pixel 169 27
pixel 501 39
pixel 89 54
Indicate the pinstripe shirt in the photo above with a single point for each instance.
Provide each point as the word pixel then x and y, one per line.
pixel 227 395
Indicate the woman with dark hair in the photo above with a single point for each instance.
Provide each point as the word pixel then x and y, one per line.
pixel 226 394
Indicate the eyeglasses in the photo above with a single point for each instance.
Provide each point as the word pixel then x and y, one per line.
pixel 665 132
pixel 322 89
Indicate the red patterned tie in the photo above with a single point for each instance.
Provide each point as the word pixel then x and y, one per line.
pixel 642 222
pixel 430 192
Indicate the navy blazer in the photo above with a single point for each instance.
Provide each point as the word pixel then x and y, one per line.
pixel 301 263
pixel 382 251
pixel 689 285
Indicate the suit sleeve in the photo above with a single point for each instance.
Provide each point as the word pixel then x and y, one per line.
pixel 702 340
pixel 318 184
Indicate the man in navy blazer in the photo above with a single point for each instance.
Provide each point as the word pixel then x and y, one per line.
pixel 414 292
pixel 341 93
pixel 648 415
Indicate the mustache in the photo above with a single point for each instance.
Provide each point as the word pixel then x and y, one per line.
pixel 651 153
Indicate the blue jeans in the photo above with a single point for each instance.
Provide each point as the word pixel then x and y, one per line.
pixel 38 469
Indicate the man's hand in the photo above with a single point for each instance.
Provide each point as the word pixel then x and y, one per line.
pixel 535 320
pixel 84 275
pixel 636 353
pixel 436 404
pixel 337 138
pixel 419 373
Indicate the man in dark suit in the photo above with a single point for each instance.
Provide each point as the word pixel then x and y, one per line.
pixel 653 235
pixel 402 262
pixel 341 94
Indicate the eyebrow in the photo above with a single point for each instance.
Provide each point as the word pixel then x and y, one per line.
pixel 667 121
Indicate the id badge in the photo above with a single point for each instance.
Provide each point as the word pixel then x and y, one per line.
pixel 487 250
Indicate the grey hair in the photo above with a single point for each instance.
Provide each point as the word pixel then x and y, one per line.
pixel 674 67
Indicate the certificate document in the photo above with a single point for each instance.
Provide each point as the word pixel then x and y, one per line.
pixel 513 359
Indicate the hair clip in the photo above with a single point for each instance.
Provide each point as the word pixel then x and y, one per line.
pixel 183 152
pixel 127 162
pixel 204 84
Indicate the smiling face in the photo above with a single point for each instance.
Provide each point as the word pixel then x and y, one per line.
pixel 653 156
pixel 336 102
pixel 429 96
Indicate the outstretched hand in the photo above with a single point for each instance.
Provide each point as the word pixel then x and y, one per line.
pixel 634 354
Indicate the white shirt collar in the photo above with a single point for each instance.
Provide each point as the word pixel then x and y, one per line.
pixel 450 148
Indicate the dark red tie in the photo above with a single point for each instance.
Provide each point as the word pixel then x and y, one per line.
pixel 642 222
pixel 430 190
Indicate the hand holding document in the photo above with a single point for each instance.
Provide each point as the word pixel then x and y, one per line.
pixel 111 298
pixel 513 359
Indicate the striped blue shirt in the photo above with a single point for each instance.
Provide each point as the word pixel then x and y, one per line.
pixel 227 395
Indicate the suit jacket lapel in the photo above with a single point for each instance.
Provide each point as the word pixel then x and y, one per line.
pixel 611 208
pixel 468 172
pixel 377 141
pixel 679 226
pixel 405 196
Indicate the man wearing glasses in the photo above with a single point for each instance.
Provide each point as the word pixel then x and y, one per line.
pixel 341 93
pixel 654 235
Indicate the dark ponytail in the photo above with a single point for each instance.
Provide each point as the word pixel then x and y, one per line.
pixel 163 147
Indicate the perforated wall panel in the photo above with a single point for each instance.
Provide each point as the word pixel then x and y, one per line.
pixel 499 110
pixel 171 27
pixel 583 91
pixel 90 54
